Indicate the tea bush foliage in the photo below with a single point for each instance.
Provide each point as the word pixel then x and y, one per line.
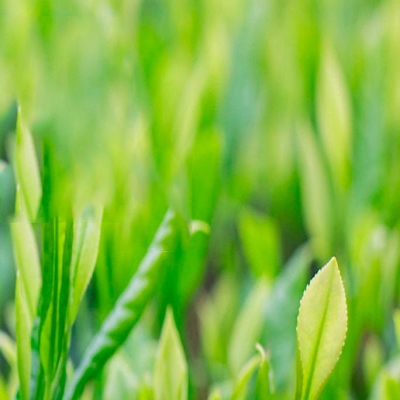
pixel 199 200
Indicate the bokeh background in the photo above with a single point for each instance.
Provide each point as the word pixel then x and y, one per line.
pixel 277 123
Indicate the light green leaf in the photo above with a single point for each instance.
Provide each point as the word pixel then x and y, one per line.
pixel 321 329
pixel 27 261
pixel 373 359
pixel 315 192
pixel 120 379
pixel 215 395
pixel 24 325
pixel 281 314
pixel 27 171
pixel 387 387
pixel 27 290
pixel 217 313
pixel 9 352
pixel 241 386
pixel 260 239
pixel 334 116
pixel 8 349
pixel 247 328
pixel 145 391
pixel 265 385
pixel 170 370
pixel 396 320
pixel 84 254
pixel 129 307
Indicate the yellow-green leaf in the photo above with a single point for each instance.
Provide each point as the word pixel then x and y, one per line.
pixel 321 329
pixel 334 117
pixel 84 254
pixel 170 370
pixel 27 171
pixel 315 191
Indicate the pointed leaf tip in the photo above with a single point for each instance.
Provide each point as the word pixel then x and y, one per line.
pixel 321 329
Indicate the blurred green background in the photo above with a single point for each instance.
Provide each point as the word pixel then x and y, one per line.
pixel 277 123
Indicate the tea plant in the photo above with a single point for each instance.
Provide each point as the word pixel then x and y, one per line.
pixel 49 292
pixel 173 174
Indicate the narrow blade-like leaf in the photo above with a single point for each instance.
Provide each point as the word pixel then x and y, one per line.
pixel 128 309
pixel 27 171
pixel 84 255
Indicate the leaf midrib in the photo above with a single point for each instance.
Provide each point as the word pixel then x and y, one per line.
pixel 318 341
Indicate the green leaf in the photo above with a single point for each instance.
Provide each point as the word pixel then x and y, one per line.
pixel 128 309
pixel 260 240
pixel 247 328
pixel 215 395
pixel 265 385
pixel 321 329
pixel 315 191
pixel 217 313
pixel 27 171
pixel 50 340
pixel 8 349
pixel 387 387
pixel 396 321
pixel 242 383
pixel 27 290
pixel 145 391
pixel 334 117
pixel 170 370
pixel 24 325
pixel 84 255
pixel 281 314
pixel 27 261
pixel 119 379
pixel 9 352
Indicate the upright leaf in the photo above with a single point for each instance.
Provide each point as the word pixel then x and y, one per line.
pixel 315 192
pixel 321 330
pixel 170 371
pixel 247 328
pixel 260 242
pixel 128 309
pixel 27 261
pixel 265 385
pixel 84 255
pixel 27 290
pixel 27 171
pixel 245 375
pixel 334 117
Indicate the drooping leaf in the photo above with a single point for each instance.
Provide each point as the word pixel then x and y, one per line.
pixel 321 329
pixel 170 370
pixel 128 308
